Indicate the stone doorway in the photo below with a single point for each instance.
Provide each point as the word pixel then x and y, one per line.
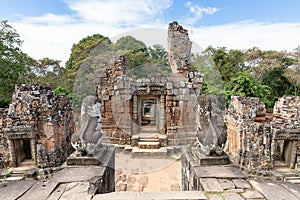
pixel 22 150
pixel 285 153
pixel 148 112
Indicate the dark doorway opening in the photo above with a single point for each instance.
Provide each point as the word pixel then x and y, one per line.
pixel 27 149
pixel 22 149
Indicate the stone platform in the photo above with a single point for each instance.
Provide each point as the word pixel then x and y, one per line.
pixel 83 160
pixel 211 160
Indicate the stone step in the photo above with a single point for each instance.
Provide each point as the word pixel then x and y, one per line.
pixel 292 177
pixel 30 173
pixel 180 195
pixel 148 140
pixel 16 178
pixel 148 145
pixel 158 153
pixel 296 181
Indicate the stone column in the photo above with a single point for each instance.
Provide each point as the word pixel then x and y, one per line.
pixel 33 150
pixel 162 113
pixel 135 115
pixel 12 153
pixel 135 108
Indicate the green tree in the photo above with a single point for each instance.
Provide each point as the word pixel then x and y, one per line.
pixel 245 85
pixel 229 63
pixel 46 71
pixel 277 81
pixel 79 54
pixel 13 62
pixel 263 62
pixel 135 51
pixel 158 54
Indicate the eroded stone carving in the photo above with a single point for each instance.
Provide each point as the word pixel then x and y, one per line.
pixel 88 139
pixel 211 136
pixel 179 49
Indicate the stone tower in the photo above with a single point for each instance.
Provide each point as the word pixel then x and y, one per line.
pixel 179 49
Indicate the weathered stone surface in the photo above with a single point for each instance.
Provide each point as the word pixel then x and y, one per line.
pixel 179 49
pixel 75 182
pixel 293 188
pixel 183 195
pixel 271 190
pixel 252 195
pixel 218 172
pixel 226 184
pixel 210 185
pixel 232 196
pixel 215 197
pixel 13 190
pixel 241 184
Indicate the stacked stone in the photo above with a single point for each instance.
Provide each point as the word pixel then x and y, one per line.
pixel 248 137
pixel 4 151
pixel 119 114
pixel 179 49
pixel 286 112
pixel 107 82
pixel 46 119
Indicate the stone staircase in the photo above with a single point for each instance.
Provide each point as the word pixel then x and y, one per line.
pixel 26 169
pixel 286 174
pixel 149 144
pixel 292 177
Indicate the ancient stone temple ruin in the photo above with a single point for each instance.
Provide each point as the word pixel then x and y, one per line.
pixel 261 140
pixel 36 128
pixel 157 109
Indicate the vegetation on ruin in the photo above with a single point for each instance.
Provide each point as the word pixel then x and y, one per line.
pixel 266 74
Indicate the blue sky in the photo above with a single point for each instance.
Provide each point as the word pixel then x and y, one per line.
pixel 50 27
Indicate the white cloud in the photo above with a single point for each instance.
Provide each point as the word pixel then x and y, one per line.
pixel 248 34
pixel 120 13
pixel 53 35
pixel 197 12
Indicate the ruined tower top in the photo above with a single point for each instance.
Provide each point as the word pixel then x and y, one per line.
pixel 179 49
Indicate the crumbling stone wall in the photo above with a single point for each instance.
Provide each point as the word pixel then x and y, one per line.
pixel 37 114
pixel 179 49
pixel 254 140
pixel 4 157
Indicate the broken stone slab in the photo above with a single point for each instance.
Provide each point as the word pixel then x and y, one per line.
pixel 81 161
pixel 14 189
pixel 226 184
pixel 216 197
pixel 271 190
pixel 232 196
pixel 210 185
pixel 219 172
pixel 293 188
pixel 241 184
pixel 252 195
pixel 179 195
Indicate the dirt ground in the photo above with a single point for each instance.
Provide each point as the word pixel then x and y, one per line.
pixel 147 174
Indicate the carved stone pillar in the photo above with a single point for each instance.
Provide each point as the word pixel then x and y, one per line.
pixel 162 114
pixel 135 115
pixel 12 153
pixel 135 108
pixel 33 150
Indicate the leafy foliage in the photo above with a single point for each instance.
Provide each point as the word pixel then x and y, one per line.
pixel 245 85
pixel 79 53
pixel 134 50
pixel 13 62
